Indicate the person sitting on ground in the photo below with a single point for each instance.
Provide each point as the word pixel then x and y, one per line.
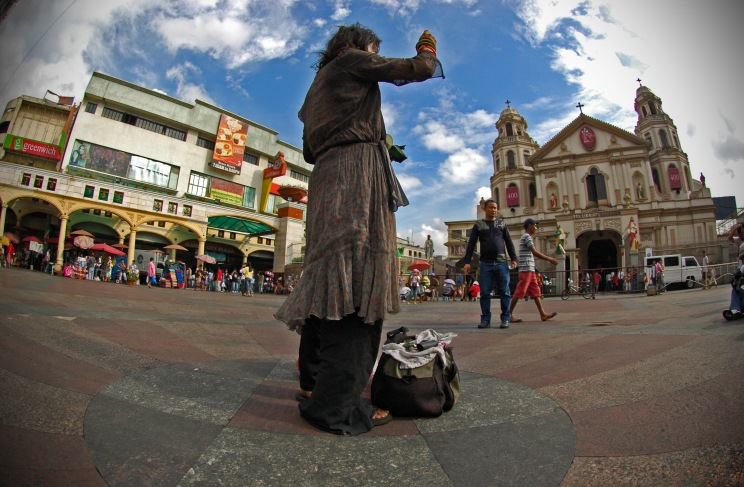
pixel 405 293
pixel 474 291
pixel 448 291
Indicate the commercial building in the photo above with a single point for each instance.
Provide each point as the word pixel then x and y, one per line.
pixel 142 170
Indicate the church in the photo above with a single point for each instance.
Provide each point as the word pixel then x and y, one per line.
pixel 605 198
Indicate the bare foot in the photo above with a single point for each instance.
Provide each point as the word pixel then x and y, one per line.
pixel 380 413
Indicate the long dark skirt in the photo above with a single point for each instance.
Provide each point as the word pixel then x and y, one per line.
pixel 336 360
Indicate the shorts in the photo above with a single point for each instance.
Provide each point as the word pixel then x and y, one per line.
pixel 527 286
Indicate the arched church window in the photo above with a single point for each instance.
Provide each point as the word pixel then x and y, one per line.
pixel 688 177
pixel 511 160
pixel 526 158
pixel 676 140
pixel 533 194
pixel 643 109
pixel 496 197
pixel 664 139
pixel 657 181
pixel 509 129
pixel 498 164
pixel 653 108
pixel 595 187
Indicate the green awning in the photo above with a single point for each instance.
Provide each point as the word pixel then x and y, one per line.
pixel 234 224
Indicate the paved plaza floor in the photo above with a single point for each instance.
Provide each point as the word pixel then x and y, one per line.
pixel 106 384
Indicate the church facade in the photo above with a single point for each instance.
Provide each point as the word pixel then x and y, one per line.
pixel 605 198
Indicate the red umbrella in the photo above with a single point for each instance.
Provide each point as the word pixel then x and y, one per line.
pixel 120 246
pixel 12 237
pixel 107 248
pixel 419 264
pixel 31 238
pixel 83 233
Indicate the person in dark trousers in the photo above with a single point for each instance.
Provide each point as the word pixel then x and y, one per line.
pixel 497 256
pixel 350 278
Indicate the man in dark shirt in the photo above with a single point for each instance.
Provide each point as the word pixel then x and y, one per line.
pixel 495 243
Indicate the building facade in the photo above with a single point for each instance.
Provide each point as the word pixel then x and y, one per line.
pixel 144 170
pixel 605 195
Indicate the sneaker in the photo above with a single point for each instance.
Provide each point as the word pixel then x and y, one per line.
pixel 504 324
pixel 484 324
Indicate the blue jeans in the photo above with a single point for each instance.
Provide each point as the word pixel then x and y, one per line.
pixel 490 274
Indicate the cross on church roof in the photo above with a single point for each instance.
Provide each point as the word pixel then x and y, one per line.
pixel 639 81
pixel 580 106
pixel 508 104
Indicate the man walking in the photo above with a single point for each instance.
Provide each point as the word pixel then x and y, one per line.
pixel 527 280
pixel 495 243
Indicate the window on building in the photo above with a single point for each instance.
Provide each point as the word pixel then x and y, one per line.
pixel 249 197
pixel 509 129
pixel 299 176
pixel 103 194
pixel 172 208
pixel 4 126
pixel 526 159
pixel 91 107
pixel 653 108
pixel 233 236
pixel 649 141
pixel 198 184
pixel 187 210
pixel 595 187
pixel 533 194
pixel 175 133
pixel 664 139
pixel 88 192
pixel 112 114
pixel 259 240
pixel 643 109
pixel 511 159
pixel 498 164
pixel 118 197
pixel 221 233
pixel 271 204
pixel 206 143
pixel 250 158
pixel 38 182
pixel 51 184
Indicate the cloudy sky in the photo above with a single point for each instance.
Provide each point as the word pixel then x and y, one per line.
pixel 254 57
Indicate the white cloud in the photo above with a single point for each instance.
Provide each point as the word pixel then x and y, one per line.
pixel 694 66
pixel 465 167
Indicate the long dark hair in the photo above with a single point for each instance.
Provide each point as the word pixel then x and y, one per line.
pixel 354 36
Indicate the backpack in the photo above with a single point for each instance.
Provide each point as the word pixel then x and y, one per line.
pixel 424 391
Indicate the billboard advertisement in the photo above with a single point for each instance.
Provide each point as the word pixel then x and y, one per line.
pixel 230 145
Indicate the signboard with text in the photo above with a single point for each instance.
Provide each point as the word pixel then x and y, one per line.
pixel 32 147
pixel 675 182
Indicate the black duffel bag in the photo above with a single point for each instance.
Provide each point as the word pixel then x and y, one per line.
pixel 424 391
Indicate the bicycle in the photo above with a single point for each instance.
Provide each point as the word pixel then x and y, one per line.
pixel 584 290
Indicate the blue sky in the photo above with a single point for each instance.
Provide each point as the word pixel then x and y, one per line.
pixel 254 57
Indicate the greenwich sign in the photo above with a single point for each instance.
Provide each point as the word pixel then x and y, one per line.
pixel 32 147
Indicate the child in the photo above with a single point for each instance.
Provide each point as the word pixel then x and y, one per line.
pixel 527 285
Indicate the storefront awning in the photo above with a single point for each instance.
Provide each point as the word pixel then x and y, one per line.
pixel 234 224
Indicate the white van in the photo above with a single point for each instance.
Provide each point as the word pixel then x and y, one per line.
pixel 677 269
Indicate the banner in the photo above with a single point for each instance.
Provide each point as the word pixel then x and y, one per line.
pixel 38 149
pixel 227 192
pixel 512 196
pixel 675 182
pixel 230 145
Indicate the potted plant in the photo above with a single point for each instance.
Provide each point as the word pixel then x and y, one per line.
pixel 132 278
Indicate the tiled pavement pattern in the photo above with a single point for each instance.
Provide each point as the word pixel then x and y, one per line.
pixel 105 384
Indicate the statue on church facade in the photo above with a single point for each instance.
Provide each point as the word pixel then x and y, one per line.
pixel 640 192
